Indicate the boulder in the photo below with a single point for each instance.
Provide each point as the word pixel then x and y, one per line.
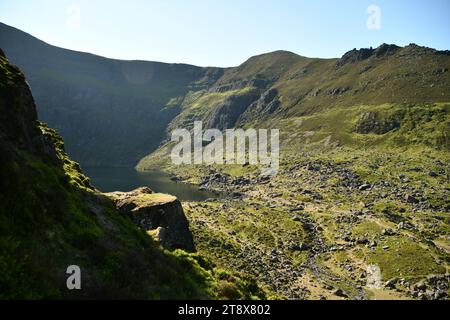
pixel 340 293
pixel 388 232
pixel 299 247
pixel 364 187
pixel 159 214
pixel 411 199
pixel 391 284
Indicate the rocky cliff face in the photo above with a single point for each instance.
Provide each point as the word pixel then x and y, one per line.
pixel 226 114
pixel 160 215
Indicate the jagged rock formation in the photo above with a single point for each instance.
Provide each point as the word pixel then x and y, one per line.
pixel 159 214
pixel 362 54
pixel 17 100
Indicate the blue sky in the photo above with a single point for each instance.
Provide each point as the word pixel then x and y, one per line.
pixel 226 32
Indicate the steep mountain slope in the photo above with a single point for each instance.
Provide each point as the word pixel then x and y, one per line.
pixel 51 218
pixel 366 91
pixel 125 105
pixel 288 85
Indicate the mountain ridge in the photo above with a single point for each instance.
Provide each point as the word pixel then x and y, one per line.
pixel 130 105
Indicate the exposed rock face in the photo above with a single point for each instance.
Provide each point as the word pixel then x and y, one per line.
pixel 160 214
pixel 18 119
pixel 225 115
pixel 338 91
pixel 266 105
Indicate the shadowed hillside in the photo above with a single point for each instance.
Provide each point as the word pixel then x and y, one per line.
pixel 125 105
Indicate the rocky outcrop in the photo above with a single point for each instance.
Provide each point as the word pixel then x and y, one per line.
pixel 161 215
pixel 373 122
pixel 16 99
pixel 365 53
pixel 385 50
pixel 338 91
pixel 19 126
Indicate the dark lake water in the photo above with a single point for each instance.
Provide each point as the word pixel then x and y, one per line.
pixel 127 179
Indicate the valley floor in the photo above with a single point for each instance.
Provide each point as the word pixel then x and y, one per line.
pixel 333 224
